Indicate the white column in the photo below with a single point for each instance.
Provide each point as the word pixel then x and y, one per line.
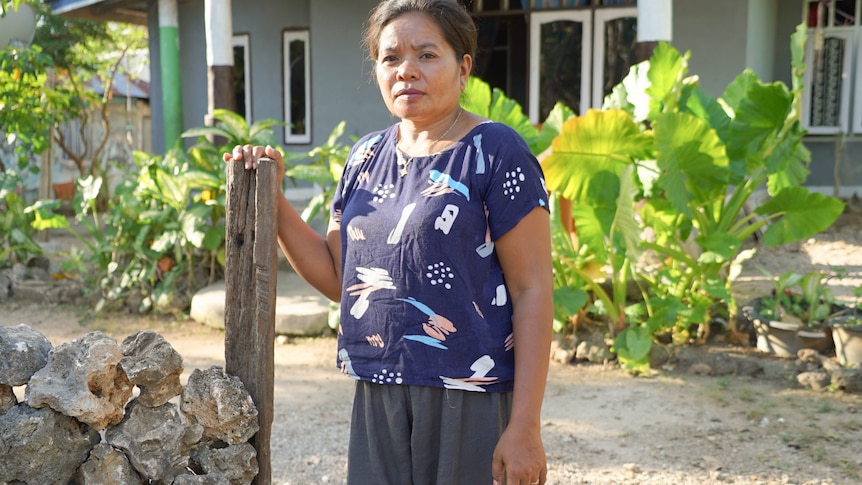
pixel 655 20
pixel 219 32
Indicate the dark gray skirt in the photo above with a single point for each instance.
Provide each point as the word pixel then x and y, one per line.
pixel 418 435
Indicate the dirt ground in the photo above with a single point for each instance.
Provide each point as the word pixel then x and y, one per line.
pixel 600 424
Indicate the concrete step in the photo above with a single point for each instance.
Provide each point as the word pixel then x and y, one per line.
pixel 299 308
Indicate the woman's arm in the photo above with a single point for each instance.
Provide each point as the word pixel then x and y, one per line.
pixel 315 258
pixel 525 256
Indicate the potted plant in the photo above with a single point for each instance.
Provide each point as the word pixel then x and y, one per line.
pixel 847 331
pixel 794 316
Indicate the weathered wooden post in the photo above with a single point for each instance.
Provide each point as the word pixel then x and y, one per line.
pixel 250 279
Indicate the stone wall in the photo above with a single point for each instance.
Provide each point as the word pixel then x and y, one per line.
pixel 98 412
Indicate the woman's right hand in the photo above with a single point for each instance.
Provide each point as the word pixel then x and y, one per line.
pixel 250 155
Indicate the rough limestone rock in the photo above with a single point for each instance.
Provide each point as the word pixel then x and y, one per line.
pixel 221 404
pixel 7 399
pixel 23 351
pixel 595 350
pixel 157 441
pixel 5 287
pixel 42 446
pixel 201 480
pixel 107 466
pixel 152 364
pixel 238 463
pixel 83 379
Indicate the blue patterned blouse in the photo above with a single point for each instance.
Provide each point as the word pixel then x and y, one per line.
pixel 424 301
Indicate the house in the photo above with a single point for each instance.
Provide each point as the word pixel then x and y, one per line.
pixel 302 62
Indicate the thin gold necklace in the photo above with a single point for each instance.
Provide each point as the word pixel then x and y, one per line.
pixel 405 159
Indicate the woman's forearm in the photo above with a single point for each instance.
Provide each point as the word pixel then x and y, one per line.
pixel 315 258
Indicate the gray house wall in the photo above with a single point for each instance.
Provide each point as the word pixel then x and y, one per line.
pixel 724 38
pixel 715 33
pixel 341 86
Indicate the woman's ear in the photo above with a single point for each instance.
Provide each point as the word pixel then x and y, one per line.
pixel 466 68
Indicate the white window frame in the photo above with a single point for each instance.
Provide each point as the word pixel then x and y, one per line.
pixel 849 36
pixel 243 40
pixel 857 83
pixel 602 17
pixel 537 19
pixel 288 37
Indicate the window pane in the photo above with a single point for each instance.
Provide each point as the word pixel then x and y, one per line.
pixel 845 12
pixel 826 69
pixel 837 13
pixel 560 66
pixel 296 57
pixel 620 51
pixel 239 79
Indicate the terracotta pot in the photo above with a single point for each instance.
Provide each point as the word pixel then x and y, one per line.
pixel 64 191
pixel 785 339
pixel 848 340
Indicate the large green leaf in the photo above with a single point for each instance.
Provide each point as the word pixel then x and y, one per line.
pixel 666 71
pixel 600 141
pixel 592 232
pixel 552 127
pixel 760 115
pixel 508 111
pixel 794 171
pixel 476 97
pixel 493 104
pixel 632 347
pixel 260 132
pixel 797 55
pixel 568 301
pixel 802 215
pixel 194 221
pixel 630 95
pixel 737 90
pixel 624 218
pixel 709 110
pixel 719 247
pixel 233 124
pixel 553 124
pixel 692 159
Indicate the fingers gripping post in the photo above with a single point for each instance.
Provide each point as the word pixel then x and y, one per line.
pixel 250 281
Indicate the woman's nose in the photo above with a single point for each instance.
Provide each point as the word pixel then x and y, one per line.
pixel 407 70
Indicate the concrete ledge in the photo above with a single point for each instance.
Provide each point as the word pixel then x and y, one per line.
pixel 299 308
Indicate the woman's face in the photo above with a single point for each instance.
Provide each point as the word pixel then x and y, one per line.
pixel 419 74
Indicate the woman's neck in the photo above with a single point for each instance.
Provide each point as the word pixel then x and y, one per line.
pixel 419 140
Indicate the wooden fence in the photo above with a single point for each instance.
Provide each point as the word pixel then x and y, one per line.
pixel 250 282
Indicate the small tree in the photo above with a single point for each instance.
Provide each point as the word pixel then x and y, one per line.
pixel 82 51
pixel 44 85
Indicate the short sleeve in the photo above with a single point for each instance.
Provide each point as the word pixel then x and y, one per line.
pixel 516 185
pixel 359 154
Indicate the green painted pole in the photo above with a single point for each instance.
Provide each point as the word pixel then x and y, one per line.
pixel 169 50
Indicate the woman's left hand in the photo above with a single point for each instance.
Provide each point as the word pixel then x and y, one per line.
pixel 520 457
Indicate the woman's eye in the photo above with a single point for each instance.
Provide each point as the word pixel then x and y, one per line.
pixel 426 55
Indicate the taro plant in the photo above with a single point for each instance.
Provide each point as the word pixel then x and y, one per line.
pixel 19 222
pixel 162 234
pixel 802 298
pixel 573 265
pixel 321 166
pixel 668 171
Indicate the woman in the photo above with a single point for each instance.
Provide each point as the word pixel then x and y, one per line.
pixel 439 251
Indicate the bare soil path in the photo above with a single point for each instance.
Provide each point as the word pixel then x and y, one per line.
pixel 601 425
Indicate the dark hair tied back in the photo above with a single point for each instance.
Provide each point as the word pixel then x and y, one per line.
pixel 454 21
